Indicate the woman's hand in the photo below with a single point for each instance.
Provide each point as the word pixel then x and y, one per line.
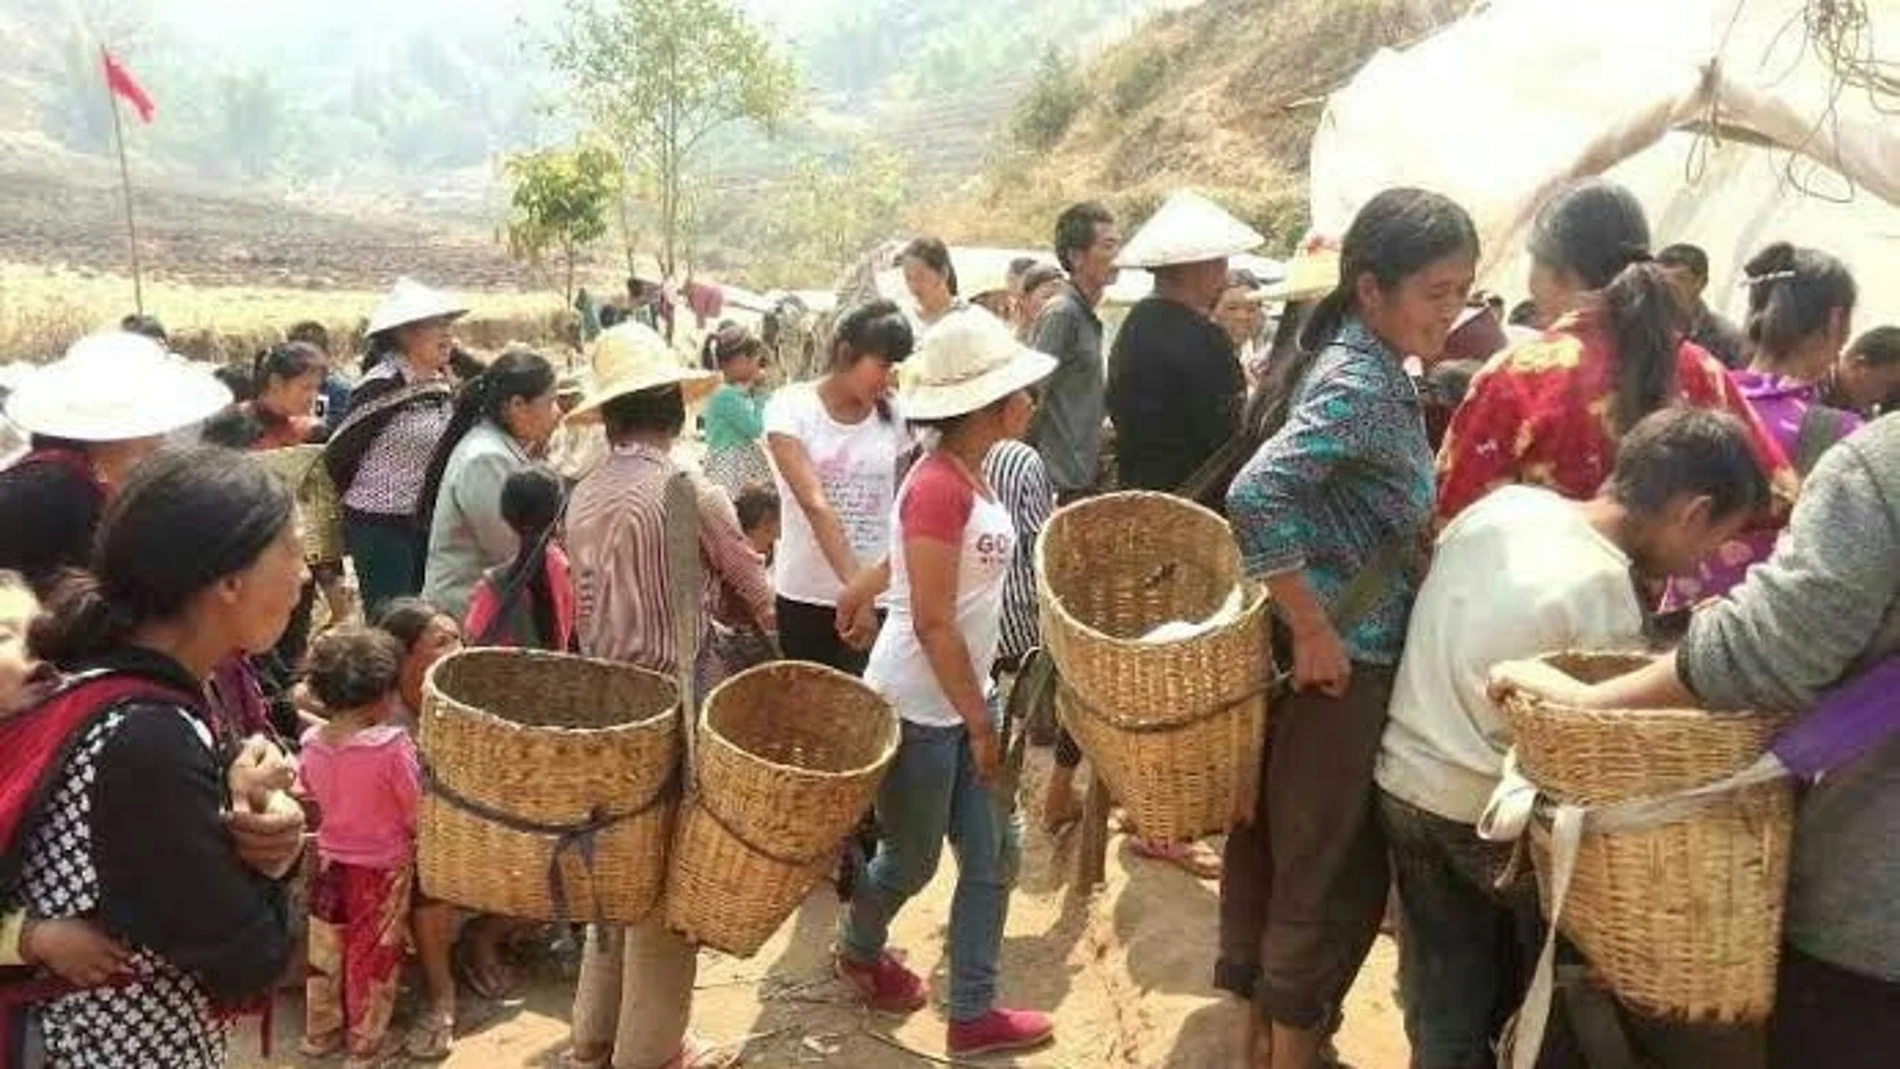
pixel 988 755
pixel 260 769
pixel 74 950
pixel 1319 660
pixel 857 606
pixel 271 841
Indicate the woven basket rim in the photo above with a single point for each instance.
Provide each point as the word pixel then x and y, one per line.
pixel 893 736
pixel 431 688
pixel 1255 596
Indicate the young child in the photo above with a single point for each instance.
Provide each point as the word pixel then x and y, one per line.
pixel 736 643
pixel 18 668
pixel 758 509
pixel 528 602
pixel 363 772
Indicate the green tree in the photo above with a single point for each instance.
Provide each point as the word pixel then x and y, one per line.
pixel 829 213
pixel 658 76
pixel 252 121
pixel 561 203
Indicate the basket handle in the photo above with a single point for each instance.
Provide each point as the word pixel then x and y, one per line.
pixel 687 579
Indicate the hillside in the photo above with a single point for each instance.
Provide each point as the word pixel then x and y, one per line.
pixel 1223 97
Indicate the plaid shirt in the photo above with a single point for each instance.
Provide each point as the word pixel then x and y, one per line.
pixel 616 538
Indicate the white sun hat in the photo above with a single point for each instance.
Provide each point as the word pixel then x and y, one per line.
pixel 114 387
pixel 409 302
pixel 966 361
pixel 1189 229
pixel 631 357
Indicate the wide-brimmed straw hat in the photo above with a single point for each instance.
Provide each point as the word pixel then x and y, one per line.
pixel 631 357
pixel 1189 229
pixel 1311 274
pixel 968 360
pixel 409 302
pixel 114 387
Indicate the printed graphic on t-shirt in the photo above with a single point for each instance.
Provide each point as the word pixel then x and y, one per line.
pixel 857 497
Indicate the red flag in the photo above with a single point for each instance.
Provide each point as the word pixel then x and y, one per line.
pixel 120 81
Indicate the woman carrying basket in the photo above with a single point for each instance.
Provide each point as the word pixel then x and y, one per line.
pixel 1331 513
pixel 636 985
pixel 954 545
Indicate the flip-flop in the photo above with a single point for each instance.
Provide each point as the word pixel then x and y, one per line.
pixel 1188 857
pixel 324 1046
pixel 431 1039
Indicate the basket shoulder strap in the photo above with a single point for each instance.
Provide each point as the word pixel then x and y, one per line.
pixel 1363 591
pixel 686 579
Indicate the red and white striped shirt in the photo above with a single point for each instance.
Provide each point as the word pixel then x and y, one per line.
pixel 616 538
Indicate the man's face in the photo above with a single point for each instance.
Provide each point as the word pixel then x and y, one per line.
pixel 1096 264
pixel 1687 284
pixel 1685 535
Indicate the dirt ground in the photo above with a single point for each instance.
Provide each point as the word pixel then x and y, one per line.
pixel 1125 971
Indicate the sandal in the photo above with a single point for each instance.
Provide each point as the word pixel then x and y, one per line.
pixel 431 1039
pixel 696 1054
pixel 1195 858
pixel 324 1046
pixel 1058 819
pixel 495 983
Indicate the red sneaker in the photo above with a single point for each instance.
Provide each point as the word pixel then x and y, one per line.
pixel 886 986
pixel 999 1031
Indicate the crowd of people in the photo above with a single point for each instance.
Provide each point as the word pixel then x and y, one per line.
pixel 1426 490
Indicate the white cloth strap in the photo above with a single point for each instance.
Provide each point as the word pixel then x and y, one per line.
pixel 1508 816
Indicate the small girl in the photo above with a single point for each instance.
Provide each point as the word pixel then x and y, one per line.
pixel 529 602
pixel 362 770
pixel 735 416
pixel 18 667
pixel 736 643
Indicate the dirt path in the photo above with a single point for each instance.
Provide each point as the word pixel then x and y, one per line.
pixel 1124 971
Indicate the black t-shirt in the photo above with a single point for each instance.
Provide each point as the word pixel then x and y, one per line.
pixel 1175 393
pixel 51 507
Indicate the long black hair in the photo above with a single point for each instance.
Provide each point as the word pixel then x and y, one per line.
pixel 875 328
pixel 1596 230
pixel 515 373
pixel 186 519
pixel 531 503
pixel 1792 293
pixel 284 362
pixel 1397 234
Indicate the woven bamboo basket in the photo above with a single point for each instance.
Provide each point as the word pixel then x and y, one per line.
pixel 790 756
pixel 319 506
pixel 1174 728
pixel 1682 920
pixel 523 750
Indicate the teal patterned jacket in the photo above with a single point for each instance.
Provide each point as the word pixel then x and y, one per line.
pixel 1350 469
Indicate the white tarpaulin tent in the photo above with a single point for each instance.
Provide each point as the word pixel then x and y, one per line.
pixel 1702 107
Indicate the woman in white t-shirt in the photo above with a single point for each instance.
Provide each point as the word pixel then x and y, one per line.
pixel 836 447
pixel 932 661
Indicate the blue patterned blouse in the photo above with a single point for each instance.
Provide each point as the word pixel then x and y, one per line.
pixel 1350 469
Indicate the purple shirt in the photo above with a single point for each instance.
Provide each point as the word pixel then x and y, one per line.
pixel 1781 403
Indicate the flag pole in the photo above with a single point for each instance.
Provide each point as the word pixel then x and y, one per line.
pixel 125 183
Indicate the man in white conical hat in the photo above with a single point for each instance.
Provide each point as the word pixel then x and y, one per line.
pixel 1175 386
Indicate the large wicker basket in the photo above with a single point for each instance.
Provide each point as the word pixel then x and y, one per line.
pixel 1174 728
pixel 553 783
pixel 319 506
pixel 1683 920
pixel 790 756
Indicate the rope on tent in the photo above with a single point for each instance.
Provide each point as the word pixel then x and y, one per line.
pixel 1839 33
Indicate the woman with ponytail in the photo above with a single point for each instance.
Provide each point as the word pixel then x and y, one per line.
pixel 135 799
pixel 288 378
pixel 1800 316
pixel 1550 412
pixel 1331 513
pixel 503 418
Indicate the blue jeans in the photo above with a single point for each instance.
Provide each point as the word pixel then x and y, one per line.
pixel 931 793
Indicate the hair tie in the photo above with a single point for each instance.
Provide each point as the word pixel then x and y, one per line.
pixel 1637 254
pixel 1752 281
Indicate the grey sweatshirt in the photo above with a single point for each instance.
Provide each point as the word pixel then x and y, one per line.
pixel 1824 607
